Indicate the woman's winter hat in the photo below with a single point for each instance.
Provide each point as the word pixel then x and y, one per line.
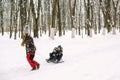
pixel 27 29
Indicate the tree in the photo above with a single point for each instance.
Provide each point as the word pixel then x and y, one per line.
pixel 59 20
pixel 11 18
pixel 52 32
pixel 99 16
pixel 88 20
pixel 119 18
pixel 48 15
pixel 115 8
pixel 106 13
pixel 72 17
pixel 15 19
pixel 59 15
pixel 1 17
pixel 36 16
pixel 64 15
pixel 23 13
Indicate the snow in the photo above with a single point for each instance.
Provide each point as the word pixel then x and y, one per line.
pixel 96 58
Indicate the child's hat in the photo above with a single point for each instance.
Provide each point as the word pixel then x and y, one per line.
pixel 26 29
pixel 59 46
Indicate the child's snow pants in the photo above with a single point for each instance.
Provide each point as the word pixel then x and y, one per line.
pixel 30 60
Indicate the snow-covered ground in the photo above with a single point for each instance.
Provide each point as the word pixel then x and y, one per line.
pixel 96 58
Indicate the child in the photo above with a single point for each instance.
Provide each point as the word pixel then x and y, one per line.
pixel 59 53
pixel 30 50
pixel 56 55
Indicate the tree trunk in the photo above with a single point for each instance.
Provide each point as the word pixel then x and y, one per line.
pixel 119 20
pixel 11 18
pixel 22 15
pixel 53 19
pixel 36 17
pixel 1 17
pixel 64 16
pixel 88 21
pixel 15 20
pixel 72 16
pixel 59 20
pixel 99 17
pixel 48 17
pixel 107 15
pixel 115 16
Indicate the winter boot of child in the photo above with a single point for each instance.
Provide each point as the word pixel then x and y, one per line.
pixel 34 68
pixel 38 66
pixel 48 60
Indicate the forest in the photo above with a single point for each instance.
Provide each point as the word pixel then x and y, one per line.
pixel 53 17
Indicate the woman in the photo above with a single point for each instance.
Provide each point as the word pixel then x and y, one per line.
pixel 30 51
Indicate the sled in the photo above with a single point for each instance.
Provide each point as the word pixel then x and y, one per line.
pixel 53 61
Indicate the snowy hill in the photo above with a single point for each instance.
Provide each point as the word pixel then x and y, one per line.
pixel 96 58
